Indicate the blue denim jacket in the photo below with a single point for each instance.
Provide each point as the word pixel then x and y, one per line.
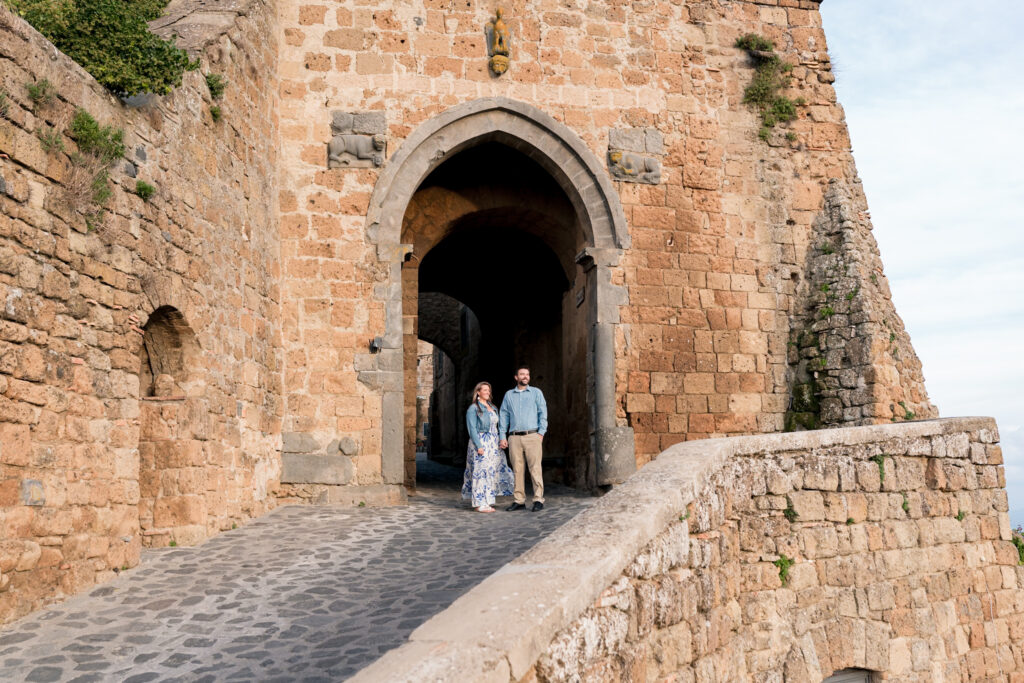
pixel 478 423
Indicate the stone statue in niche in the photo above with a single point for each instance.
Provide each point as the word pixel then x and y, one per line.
pixel 633 167
pixel 357 140
pixel 497 44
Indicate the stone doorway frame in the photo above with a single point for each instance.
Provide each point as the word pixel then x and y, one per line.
pixel 579 173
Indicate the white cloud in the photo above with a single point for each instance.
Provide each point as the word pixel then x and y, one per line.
pixel 932 92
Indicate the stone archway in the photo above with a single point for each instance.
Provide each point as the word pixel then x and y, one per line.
pixel 453 329
pixel 580 175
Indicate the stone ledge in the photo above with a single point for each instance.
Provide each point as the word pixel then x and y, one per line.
pixel 518 610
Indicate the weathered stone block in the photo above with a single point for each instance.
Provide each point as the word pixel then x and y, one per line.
pixel 303 468
pixel 809 505
pixel 32 492
pixel 369 123
pixel 628 139
pixel 178 511
pixel 14 444
pixel 298 442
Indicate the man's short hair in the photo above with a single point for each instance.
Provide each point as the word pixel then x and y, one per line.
pixel 522 366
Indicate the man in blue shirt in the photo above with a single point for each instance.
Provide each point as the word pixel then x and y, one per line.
pixel 524 418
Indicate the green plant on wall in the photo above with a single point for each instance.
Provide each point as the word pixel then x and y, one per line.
pixel 771 77
pixel 215 113
pixel 790 513
pixel 216 84
pixel 111 40
pixel 784 563
pixel 87 188
pixel 105 143
pixel 144 190
pixel 42 93
pixel 50 139
pixel 5 104
pixel 880 461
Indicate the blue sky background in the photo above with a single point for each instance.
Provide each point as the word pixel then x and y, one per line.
pixel 934 98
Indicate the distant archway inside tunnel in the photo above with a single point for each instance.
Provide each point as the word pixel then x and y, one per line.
pixel 510 312
pixel 452 331
pixel 496 166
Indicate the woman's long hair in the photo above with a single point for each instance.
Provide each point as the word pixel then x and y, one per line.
pixel 476 396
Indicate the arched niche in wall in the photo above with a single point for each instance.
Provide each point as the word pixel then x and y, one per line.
pixel 169 356
pixel 172 433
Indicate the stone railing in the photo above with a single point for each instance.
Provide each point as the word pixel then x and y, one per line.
pixel 750 558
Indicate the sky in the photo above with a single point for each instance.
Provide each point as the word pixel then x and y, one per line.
pixel 934 98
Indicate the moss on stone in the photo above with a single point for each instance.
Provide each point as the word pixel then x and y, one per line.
pixel 805 398
pixel 796 422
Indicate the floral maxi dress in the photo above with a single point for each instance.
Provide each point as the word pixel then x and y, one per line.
pixel 487 474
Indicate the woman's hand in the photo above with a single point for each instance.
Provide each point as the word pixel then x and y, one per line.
pixel 479 451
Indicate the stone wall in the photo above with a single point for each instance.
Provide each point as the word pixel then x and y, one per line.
pixel 77 297
pixel 722 238
pixel 691 280
pixel 895 540
pixel 851 358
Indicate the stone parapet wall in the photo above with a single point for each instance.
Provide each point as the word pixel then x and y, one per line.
pixel 76 296
pixel 896 538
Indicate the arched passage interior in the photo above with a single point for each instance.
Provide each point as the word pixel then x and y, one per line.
pixel 389 367
pixel 503 247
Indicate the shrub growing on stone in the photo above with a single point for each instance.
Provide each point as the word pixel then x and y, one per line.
pixel 144 190
pixel 110 39
pixel 771 77
pixel 41 93
pixel 87 187
pixel 216 84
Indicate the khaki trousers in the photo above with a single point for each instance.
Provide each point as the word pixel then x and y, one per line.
pixel 530 446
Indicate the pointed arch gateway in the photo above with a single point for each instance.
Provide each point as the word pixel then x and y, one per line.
pixel 563 157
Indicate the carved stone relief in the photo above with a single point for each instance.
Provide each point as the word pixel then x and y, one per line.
pixel 498 41
pixel 358 140
pixel 631 154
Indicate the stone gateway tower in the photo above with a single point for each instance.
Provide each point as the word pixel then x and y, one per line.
pixel 607 205
pixel 654 204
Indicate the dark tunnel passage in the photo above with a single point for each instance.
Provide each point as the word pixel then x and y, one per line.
pixel 505 253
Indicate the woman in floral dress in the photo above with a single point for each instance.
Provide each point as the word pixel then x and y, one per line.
pixel 487 474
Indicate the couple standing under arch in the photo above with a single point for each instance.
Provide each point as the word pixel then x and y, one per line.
pixel 519 425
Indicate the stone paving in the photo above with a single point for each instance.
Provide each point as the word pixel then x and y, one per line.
pixel 301 594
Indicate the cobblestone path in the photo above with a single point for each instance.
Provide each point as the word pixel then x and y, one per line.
pixel 301 594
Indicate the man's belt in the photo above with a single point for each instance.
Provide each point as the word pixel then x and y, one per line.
pixel 528 431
